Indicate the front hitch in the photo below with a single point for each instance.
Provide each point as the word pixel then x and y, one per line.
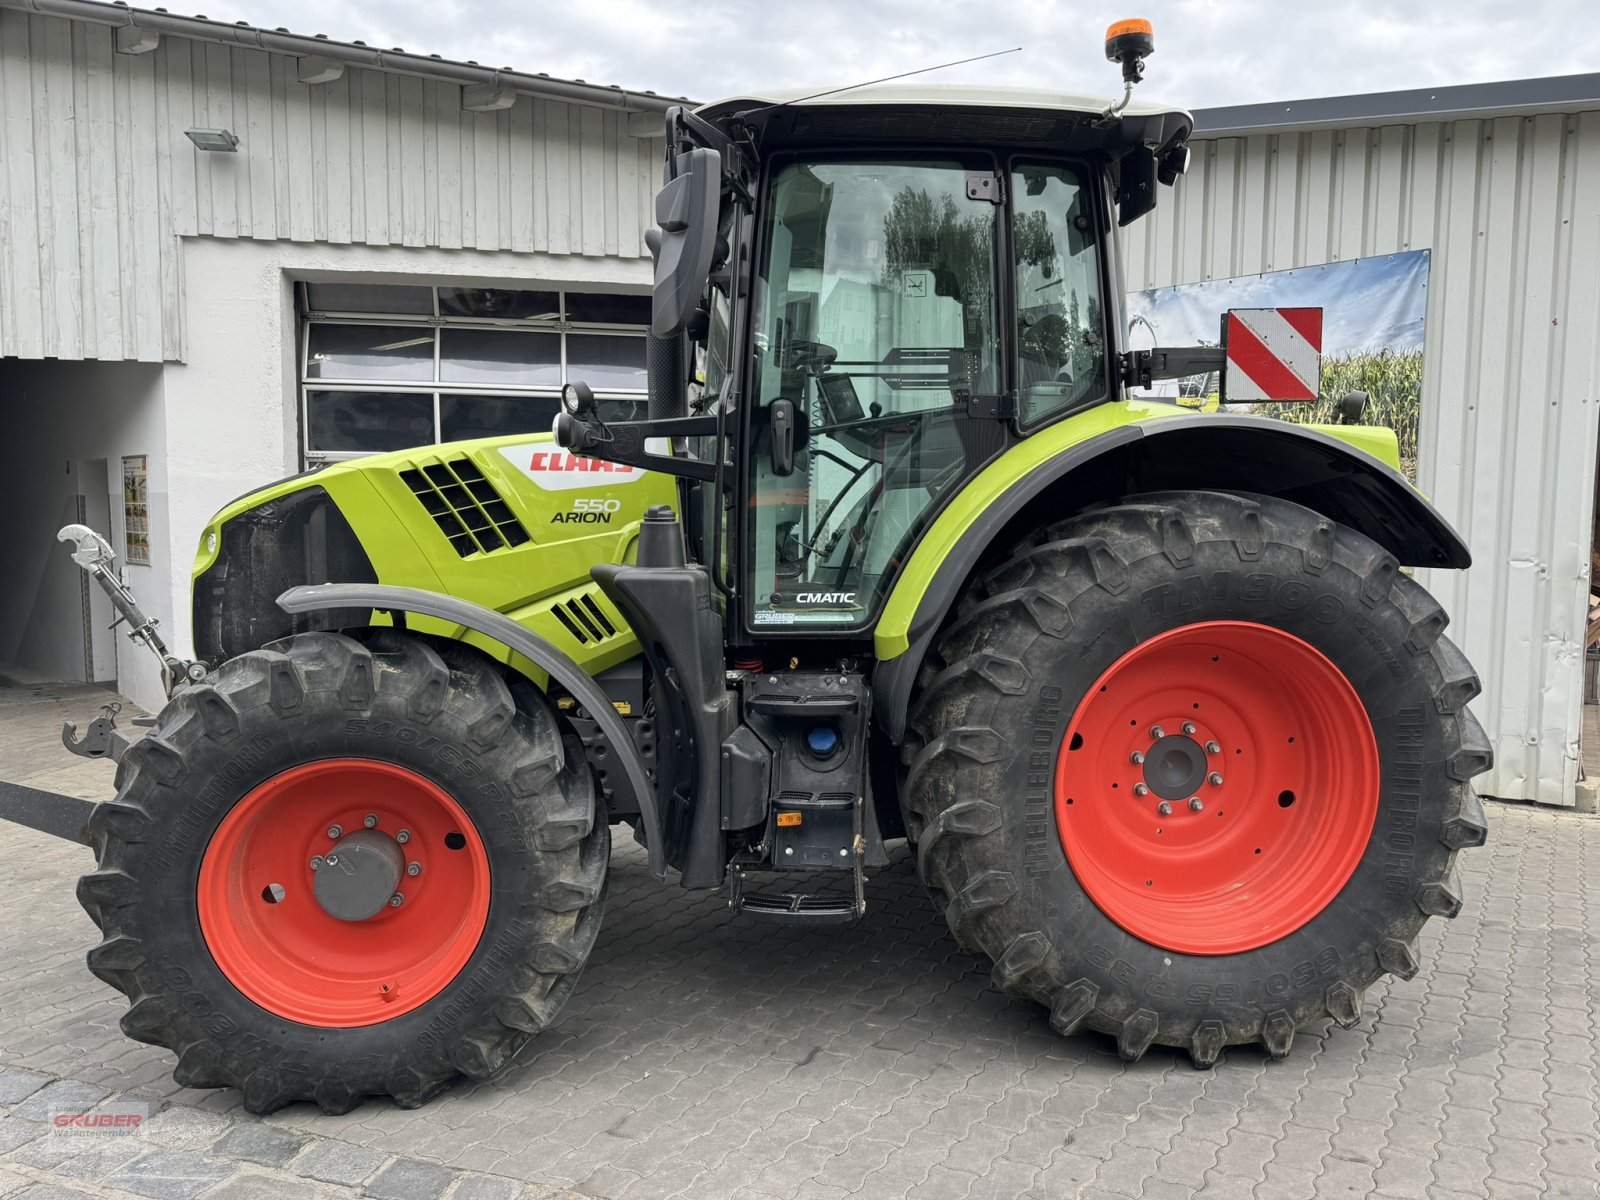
pixel 102 738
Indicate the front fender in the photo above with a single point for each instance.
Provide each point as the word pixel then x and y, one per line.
pixel 501 628
pixel 1050 476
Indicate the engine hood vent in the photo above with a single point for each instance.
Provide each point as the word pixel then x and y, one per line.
pixel 465 506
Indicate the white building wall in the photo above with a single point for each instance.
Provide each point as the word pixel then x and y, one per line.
pixel 1510 208
pixel 98 182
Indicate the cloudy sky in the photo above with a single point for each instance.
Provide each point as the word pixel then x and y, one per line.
pixel 1208 52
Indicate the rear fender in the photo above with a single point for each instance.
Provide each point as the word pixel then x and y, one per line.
pixel 502 629
pixel 1210 452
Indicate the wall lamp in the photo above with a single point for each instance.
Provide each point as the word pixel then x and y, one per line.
pixel 222 140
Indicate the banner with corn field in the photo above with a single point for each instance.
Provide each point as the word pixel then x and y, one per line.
pixel 1373 313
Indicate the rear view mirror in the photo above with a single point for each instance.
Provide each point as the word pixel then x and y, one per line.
pixel 687 208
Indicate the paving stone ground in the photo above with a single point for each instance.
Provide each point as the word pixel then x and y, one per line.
pixel 706 1057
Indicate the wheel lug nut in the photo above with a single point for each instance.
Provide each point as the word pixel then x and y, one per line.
pixel 1140 789
pixel 1214 779
pixel 1188 726
pixel 403 836
pixel 336 831
pixel 413 868
pixel 396 900
pixel 1164 809
pixel 1136 758
pixel 316 862
pixel 1196 804
pixel 1213 748
pixel 370 820
pixel 1157 733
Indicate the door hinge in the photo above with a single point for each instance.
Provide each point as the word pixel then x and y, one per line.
pixel 985 185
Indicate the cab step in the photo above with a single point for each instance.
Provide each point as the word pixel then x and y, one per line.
pixel 795 908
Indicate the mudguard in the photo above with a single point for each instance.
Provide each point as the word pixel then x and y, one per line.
pixel 502 629
pixel 1215 452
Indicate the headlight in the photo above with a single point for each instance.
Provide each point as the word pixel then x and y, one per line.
pixel 577 398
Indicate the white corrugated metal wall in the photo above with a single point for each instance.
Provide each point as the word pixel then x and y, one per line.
pixel 95 140
pixel 1510 208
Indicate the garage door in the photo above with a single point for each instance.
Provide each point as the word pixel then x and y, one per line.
pixel 388 367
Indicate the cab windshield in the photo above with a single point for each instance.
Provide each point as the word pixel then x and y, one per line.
pixel 879 313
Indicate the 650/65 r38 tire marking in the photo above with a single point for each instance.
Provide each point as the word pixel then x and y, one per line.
pixel 1222 789
pixel 277 945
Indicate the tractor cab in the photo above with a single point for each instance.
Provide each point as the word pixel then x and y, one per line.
pixel 879 291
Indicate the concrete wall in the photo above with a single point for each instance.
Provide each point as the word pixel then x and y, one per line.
pixel 60 415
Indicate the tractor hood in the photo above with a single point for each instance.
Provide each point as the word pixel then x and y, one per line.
pixel 512 523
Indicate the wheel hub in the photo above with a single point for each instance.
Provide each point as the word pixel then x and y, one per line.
pixel 359 875
pixel 1175 767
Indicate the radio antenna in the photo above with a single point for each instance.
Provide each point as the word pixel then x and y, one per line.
pixel 850 87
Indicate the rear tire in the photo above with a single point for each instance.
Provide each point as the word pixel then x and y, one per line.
pixel 1038 648
pixel 234 767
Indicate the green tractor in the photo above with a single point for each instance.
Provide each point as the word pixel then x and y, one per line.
pixel 1178 743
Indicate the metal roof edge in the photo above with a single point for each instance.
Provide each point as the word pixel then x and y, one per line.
pixel 1515 97
pixel 281 41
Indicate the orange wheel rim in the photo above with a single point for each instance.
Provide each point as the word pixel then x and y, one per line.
pixel 1217 787
pixel 270 935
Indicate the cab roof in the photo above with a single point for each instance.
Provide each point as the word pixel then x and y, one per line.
pixel 909 113
pixel 936 95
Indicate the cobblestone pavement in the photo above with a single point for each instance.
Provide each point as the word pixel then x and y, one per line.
pixel 708 1057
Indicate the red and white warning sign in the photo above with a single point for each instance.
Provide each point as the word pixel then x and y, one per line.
pixel 1274 353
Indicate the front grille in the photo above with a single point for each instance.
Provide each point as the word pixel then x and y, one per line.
pixel 297 539
pixel 465 506
pixel 584 620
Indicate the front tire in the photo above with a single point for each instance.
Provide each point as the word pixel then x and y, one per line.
pixel 1193 771
pixel 340 868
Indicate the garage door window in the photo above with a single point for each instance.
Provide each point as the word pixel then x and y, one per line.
pixel 391 366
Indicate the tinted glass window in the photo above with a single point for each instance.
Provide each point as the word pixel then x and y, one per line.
pixel 370 352
pixel 608 310
pixel 368 422
pixel 1060 329
pixel 369 298
pixel 467 416
pixel 500 304
pixel 500 356
pixel 876 312
pixel 606 362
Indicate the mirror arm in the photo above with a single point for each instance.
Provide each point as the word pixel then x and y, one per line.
pixel 625 441
pixel 1141 367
